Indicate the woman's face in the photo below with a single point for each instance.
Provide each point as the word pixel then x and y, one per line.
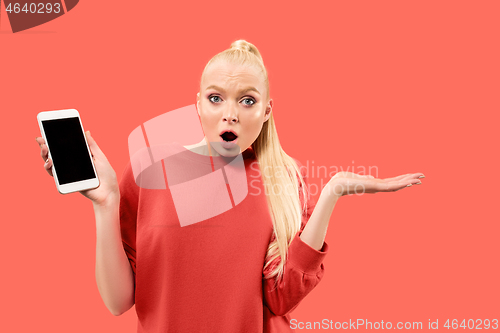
pixel 232 97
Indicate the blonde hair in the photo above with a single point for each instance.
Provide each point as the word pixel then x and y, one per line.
pixel 285 206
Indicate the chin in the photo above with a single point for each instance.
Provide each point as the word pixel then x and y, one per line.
pixel 234 151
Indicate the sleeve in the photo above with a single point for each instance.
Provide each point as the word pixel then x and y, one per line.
pixel 302 272
pixel 129 198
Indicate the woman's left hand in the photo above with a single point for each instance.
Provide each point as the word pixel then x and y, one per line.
pixel 346 183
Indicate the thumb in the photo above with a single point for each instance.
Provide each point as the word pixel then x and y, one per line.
pixel 94 148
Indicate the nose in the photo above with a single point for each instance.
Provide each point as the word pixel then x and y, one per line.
pixel 230 115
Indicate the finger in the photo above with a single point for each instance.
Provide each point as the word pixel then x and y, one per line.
pixel 406 177
pixel 416 175
pixel 44 152
pixel 94 148
pixel 398 178
pixel 48 166
pixel 40 140
pixel 408 183
pixel 395 185
pixel 414 181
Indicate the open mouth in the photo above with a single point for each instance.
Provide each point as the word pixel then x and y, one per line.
pixel 228 136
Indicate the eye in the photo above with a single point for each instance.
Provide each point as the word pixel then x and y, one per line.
pixel 249 99
pixel 210 98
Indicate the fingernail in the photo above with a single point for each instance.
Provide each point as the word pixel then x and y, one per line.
pixel 409 185
pixel 419 183
pixel 47 161
pixel 422 176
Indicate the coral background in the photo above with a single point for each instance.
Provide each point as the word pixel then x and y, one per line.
pixel 401 85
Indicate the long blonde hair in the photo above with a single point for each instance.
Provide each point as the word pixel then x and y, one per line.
pixel 284 205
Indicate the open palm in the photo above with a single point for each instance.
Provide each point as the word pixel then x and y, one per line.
pixel 346 183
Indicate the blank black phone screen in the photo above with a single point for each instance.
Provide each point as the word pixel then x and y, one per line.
pixel 69 152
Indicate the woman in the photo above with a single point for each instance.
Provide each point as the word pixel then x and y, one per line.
pixel 243 270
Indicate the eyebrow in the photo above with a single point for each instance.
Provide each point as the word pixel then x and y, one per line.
pixel 242 91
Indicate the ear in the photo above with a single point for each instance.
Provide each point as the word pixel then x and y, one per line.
pixel 269 109
pixel 198 103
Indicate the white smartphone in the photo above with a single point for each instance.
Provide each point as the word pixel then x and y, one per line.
pixel 72 164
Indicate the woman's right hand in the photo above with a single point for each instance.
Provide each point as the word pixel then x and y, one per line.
pixel 108 187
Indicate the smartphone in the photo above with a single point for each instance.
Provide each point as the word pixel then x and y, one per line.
pixel 72 163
